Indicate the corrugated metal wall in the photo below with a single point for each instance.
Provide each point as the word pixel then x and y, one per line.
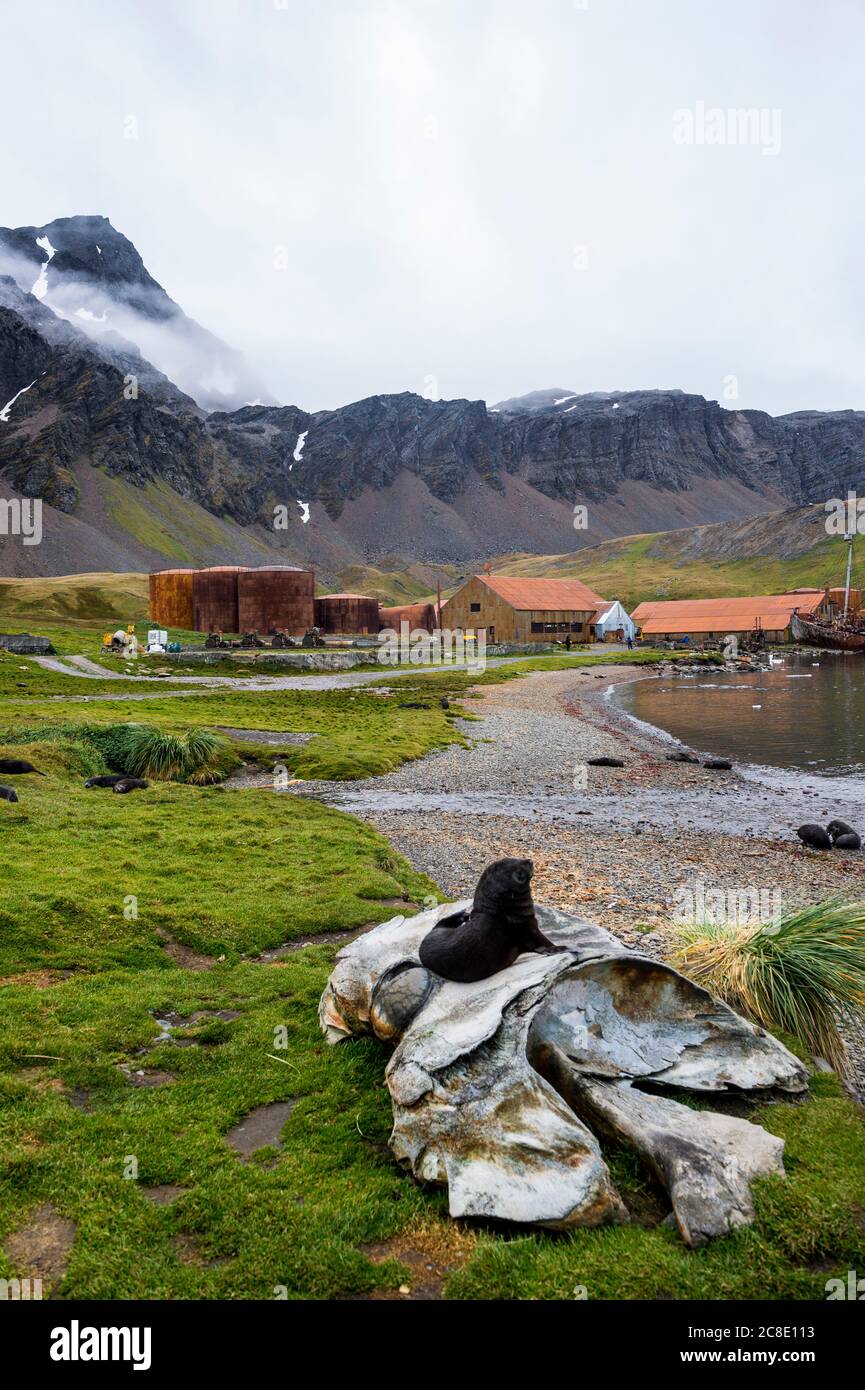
pixel 349 613
pixel 171 598
pixel 276 599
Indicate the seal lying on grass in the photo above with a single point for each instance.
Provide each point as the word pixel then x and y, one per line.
pixel 8 794
pixel 500 927
pixel 13 766
pixel 130 784
pixel 110 780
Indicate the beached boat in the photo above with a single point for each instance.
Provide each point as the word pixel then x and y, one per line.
pixel 843 634
pixel 844 626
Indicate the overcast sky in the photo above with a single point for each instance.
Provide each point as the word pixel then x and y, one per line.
pixel 468 197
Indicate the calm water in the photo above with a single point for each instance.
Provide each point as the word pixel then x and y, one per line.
pixel 807 714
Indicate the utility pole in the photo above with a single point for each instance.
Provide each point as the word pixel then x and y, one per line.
pixel 849 539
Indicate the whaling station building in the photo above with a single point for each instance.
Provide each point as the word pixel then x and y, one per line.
pixel 713 619
pixel 534 610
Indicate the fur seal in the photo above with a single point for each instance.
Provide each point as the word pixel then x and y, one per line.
pixel 15 766
pixel 839 827
pixel 682 756
pixel 849 840
pixel 605 762
pixel 130 784
pixel 8 794
pixel 500 927
pixel 110 781
pixel 719 764
pixel 814 836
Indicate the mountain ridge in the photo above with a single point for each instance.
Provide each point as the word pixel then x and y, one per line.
pixel 384 481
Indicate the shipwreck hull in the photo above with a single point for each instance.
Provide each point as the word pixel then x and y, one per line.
pixel 826 635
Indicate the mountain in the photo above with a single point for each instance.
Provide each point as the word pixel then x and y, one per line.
pixel 93 276
pixel 136 473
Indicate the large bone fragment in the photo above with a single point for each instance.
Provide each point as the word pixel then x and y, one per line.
pixel 495 1083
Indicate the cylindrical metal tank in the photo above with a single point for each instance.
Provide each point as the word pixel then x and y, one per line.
pixel 349 613
pixel 214 598
pixel 275 599
pixel 417 615
pixel 171 598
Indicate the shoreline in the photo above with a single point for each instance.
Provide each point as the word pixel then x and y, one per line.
pixel 628 850
pixel 618 850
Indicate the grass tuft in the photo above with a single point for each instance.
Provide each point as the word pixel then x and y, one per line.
pixel 793 974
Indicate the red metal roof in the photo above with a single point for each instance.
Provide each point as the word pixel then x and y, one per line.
pixel 543 595
pixel 771 611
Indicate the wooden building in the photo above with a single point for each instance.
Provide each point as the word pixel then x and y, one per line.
pixel 713 619
pixel 524 610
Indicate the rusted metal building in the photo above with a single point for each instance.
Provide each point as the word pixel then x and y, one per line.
pixel 171 598
pixel 214 598
pixel 510 609
pixel 347 613
pixel 417 615
pixel 278 598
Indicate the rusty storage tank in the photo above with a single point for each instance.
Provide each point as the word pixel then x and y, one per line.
pixel 417 615
pixel 171 598
pixel 214 598
pixel 276 598
pixel 349 613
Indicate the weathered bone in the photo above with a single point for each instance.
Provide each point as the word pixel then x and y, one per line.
pixel 491 1081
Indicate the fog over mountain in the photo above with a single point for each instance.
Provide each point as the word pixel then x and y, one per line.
pixel 89 273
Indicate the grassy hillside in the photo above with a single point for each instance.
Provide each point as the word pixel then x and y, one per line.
pixel 74 598
pixel 768 554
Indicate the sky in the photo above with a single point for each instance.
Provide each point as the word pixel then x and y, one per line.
pixel 469 198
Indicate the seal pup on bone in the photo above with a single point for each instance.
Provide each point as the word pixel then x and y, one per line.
pixel 500 927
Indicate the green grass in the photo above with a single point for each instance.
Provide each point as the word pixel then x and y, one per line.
pixel 359 734
pixel 223 872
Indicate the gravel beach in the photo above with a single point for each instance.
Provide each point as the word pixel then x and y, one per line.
pixel 631 848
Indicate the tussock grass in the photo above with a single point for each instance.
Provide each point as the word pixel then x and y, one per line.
pixel 198 756
pixel 792 975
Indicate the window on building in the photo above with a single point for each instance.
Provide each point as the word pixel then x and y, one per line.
pixel 474 608
pixel 557 627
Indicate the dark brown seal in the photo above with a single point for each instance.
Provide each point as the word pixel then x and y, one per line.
pixel 130 784
pixel 500 927
pixel 13 766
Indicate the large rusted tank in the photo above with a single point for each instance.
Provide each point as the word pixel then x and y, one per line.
pixel 349 613
pixel 417 615
pixel 171 598
pixel 275 599
pixel 214 598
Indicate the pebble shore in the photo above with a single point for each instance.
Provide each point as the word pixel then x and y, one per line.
pixel 532 739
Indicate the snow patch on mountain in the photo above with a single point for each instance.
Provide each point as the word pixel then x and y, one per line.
pixel 4 413
pixel 39 287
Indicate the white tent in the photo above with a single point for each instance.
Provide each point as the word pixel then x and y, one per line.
pixel 614 619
